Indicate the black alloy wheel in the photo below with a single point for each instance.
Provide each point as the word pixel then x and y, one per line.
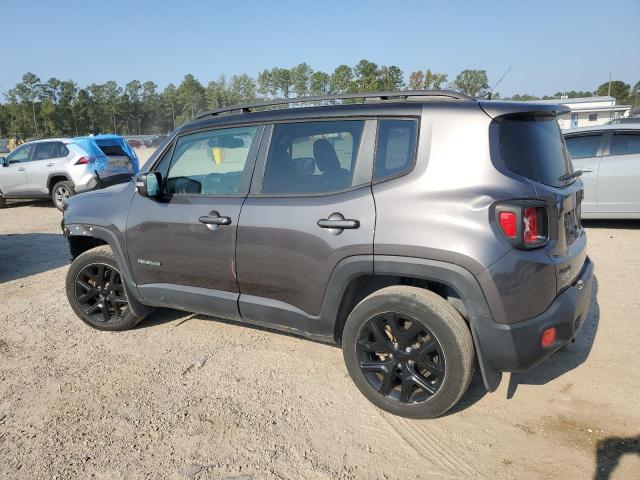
pixel 100 293
pixel 400 357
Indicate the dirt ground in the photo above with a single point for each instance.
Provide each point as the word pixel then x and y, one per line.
pixel 187 396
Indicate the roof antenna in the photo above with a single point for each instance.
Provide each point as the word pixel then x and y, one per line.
pixel 490 92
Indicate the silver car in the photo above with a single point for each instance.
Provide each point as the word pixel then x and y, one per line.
pixel 609 156
pixel 60 167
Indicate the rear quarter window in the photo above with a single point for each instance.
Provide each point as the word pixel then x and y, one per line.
pixel 533 146
pixel 395 147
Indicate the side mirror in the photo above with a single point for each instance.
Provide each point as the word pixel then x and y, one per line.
pixel 4 162
pixel 149 184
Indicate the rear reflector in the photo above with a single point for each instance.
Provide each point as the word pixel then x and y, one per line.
pixel 508 223
pixel 548 336
pixel 83 161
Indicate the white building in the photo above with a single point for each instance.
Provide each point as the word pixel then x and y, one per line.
pixel 589 111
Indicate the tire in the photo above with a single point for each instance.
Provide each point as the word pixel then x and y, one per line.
pixel 430 351
pixel 93 269
pixel 60 192
pixel 3 200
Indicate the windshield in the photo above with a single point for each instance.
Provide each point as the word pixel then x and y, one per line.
pixel 532 146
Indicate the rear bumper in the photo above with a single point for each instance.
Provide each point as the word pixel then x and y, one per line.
pixel 517 347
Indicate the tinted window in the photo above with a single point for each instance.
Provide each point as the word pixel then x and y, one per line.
pixel 314 157
pixel 44 151
pixel 624 144
pixel 211 163
pixel 584 145
pixel 534 148
pixel 61 150
pixel 395 148
pixel 20 154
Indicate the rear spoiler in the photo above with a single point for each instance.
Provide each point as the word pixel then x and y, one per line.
pixel 499 109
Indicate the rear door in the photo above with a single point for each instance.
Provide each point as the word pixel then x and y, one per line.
pixel 619 174
pixel 311 209
pixel 182 247
pixel 47 157
pixel 586 153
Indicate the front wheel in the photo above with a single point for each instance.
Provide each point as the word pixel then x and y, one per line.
pixel 61 192
pixel 96 293
pixel 408 351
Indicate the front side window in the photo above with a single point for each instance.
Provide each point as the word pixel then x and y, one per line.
pixel 20 154
pixel 211 163
pixel 312 157
pixel 584 146
pixel 625 144
pixel 395 148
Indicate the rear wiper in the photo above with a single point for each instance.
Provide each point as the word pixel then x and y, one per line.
pixel 569 176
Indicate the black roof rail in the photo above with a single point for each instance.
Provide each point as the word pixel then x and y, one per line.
pixel 382 96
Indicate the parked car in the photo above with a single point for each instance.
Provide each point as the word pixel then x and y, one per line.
pixel 134 142
pixel 419 231
pixel 61 167
pixel 155 141
pixel 4 145
pixel 624 121
pixel 609 156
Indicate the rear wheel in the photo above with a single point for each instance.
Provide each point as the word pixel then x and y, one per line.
pixel 408 351
pixel 96 293
pixel 61 192
pixel 3 201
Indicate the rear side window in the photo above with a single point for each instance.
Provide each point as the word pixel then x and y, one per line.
pixel 113 151
pixel 395 148
pixel 584 146
pixel 44 151
pixel 312 157
pixel 533 147
pixel 624 144
pixel 60 150
pixel 211 163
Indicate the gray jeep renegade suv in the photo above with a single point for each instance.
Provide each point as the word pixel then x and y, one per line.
pixel 422 231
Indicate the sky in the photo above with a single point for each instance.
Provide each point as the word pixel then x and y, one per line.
pixel 551 46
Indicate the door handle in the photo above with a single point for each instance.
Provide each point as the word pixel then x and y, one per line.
pixel 214 218
pixel 21 169
pixel 338 222
pixel 50 164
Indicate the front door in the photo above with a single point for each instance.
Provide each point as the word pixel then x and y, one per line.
pixel 586 153
pixel 619 175
pixel 182 247
pixel 13 177
pixel 312 209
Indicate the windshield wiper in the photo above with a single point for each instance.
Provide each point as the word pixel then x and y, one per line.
pixel 569 176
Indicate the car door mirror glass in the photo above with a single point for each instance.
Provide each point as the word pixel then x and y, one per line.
pixel 149 184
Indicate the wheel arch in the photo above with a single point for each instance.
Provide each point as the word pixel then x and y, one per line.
pixel 357 277
pixel 84 237
pixel 56 177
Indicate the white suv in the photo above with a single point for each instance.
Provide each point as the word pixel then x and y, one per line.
pixel 60 167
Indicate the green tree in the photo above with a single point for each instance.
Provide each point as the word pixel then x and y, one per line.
pixel 191 95
pixel 300 75
pixel 282 80
pixel 169 99
pixel 635 95
pixel 265 84
pixel 391 78
pixel 341 80
pixel 619 90
pixel 471 82
pixel 319 83
pixel 367 76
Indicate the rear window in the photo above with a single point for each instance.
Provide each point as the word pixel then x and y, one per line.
pixel 113 150
pixel 533 147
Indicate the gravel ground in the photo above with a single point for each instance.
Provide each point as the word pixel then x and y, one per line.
pixel 187 396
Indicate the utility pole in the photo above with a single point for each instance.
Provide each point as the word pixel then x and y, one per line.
pixel 609 92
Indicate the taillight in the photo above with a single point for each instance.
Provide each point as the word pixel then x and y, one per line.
pixel 508 223
pixel 83 161
pixel 524 225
